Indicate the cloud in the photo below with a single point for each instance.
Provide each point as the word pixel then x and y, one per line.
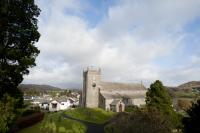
pixel 126 43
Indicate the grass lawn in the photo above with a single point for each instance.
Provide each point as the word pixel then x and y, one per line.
pixel 55 123
pixel 95 115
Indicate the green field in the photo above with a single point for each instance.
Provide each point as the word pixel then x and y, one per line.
pixel 186 95
pixel 55 123
pixel 95 115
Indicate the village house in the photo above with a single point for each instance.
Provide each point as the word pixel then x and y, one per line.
pixel 60 104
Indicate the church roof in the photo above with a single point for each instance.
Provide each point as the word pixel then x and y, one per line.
pixel 115 95
pixel 120 86
pixel 110 90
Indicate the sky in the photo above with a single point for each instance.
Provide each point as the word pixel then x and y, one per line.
pixel 132 41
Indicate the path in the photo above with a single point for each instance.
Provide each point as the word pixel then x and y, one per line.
pixel 91 127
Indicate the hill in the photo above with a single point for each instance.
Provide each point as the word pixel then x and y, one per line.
pixel 26 87
pixel 189 90
pixel 190 85
pixel 185 87
pixel 184 94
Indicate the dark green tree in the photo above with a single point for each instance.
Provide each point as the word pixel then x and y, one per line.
pixel 158 97
pixel 191 123
pixel 7 108
pixel 18 33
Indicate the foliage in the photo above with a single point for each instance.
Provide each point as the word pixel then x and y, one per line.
pixel 131 108
pixel 67 93
pixel 7 109
pixel 95 115
pixel 140 121
pixel 29 112
pixel 18 34
pixel 29 120
pixel 191 123
pixel 55 123
pixel 184 104
pixel 158 97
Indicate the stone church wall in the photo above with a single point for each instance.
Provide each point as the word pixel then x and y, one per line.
pixel 138 101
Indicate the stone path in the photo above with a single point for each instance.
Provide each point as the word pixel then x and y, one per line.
pixel 91 127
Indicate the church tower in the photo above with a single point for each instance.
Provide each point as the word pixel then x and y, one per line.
pixel 91 80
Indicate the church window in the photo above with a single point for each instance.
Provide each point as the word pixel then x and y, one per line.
pixel 93 84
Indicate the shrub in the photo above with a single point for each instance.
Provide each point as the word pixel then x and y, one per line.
pixel 29 120
pixel 29 112
pixel 184 104
pixel 7 112
pixel 191 123
pixel 140 121
pixel 131 108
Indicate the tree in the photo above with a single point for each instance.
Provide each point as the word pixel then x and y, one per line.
pixel 7 108
pixel 158 97
pixel 140 121
pixel 18 33
pixel 191 123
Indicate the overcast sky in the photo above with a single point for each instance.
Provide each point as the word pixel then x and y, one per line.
pixel 130 40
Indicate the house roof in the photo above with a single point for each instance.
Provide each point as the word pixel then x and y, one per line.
pixel 42 100
pixel 60 99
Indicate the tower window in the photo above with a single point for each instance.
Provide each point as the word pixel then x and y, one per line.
pixel 93 84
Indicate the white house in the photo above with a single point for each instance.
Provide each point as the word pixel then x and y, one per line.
pixel 64 105
pixel 44 104
pixel 54 105
pixel 59 104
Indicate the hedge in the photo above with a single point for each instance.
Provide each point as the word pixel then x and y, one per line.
pixel 29 120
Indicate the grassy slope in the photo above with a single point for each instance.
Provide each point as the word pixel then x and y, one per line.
pixel 91 115
pixel 185 94
pixel 55 123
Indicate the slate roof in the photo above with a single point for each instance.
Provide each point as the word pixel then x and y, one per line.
pixel 61 99
pixel 110 95
pixel 121 86
pixel 110 90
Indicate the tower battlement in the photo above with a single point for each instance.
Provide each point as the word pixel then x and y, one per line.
pixel 92 68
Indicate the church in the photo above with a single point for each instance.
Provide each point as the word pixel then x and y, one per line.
pixel 109 95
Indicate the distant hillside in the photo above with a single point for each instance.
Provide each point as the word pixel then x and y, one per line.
pixel 186 86
pixel 190 85
pixel 26 87
pixel 187 90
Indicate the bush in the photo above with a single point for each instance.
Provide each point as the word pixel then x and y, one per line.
pixel 131 108
pixel 140 121
pixel 7 112
pixel 29 120
pixel 191 123
pixel 184 104
pixel 29 112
